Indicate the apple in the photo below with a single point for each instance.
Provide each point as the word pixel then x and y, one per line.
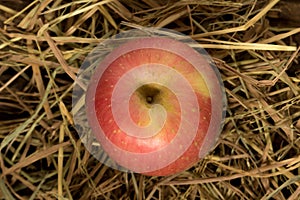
pixel 155 105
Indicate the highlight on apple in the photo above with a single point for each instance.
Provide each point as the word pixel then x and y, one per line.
pixel 149 101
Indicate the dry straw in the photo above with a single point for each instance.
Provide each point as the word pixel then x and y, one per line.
pixel 42 45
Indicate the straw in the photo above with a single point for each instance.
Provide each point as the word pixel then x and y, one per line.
pixel 42 46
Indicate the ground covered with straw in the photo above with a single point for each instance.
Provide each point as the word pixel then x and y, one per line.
pixel 254 44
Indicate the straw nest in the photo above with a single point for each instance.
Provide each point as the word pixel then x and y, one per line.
pixel 254 45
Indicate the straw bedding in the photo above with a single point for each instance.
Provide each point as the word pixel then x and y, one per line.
pixel 254 44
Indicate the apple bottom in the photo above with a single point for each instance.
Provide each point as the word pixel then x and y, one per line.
pixel 190 157
pixel 186 161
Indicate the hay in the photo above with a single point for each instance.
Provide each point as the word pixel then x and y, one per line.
pixel 43 43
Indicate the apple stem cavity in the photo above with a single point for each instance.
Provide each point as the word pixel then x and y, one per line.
pixel 149 93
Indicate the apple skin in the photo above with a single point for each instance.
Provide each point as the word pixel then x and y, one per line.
pixel 128 150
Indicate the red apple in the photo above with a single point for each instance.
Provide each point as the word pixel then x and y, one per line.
pixel 155 105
